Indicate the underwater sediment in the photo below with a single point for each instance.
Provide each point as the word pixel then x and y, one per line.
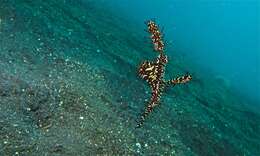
pixel 69 86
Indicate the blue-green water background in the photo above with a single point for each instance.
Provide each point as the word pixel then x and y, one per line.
pixel 219 35
pixel 69 82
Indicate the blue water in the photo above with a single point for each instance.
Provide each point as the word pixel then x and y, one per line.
pixel 222 36
pixel 69 82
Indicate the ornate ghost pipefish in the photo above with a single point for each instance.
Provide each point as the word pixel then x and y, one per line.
pixel 153 71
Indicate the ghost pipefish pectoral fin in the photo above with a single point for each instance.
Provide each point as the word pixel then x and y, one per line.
pixel 179 80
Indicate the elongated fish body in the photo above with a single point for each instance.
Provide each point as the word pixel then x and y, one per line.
pixel 153 72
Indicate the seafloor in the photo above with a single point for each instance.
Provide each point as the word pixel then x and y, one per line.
pixel 69 86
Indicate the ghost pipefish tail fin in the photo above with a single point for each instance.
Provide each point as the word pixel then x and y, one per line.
pixel 156 36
